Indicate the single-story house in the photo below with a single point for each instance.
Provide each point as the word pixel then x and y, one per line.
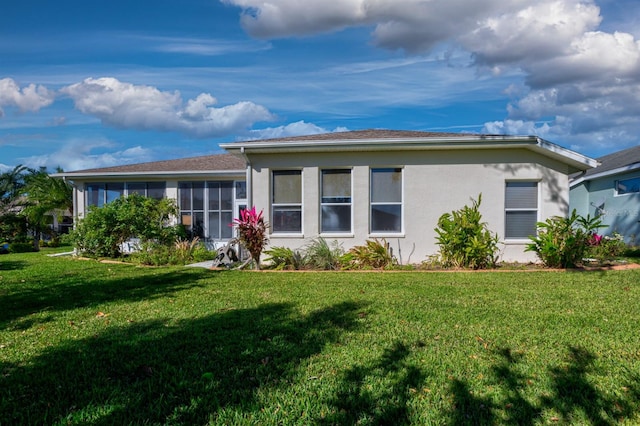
pixel 612 191
pixel 359 185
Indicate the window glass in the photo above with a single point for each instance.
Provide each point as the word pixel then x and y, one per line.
pixel 137 188
pixel 287 187
pixel 521 209
pixel 286 206
pixel 336 201
pixel 184 193
pixel 628 186
pixel 198 196
pixel 386 200
pixel 241 190
pixel 156 190
pixel 114 191
pixel 386 185
pixel 226 195
pixel 94 194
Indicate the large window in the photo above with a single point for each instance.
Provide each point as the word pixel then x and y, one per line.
pixel 206 208
pixel 628 186
pixel 521 209
pixel 386 200
pixel 286 201
pixel 99 193
pixel 335 203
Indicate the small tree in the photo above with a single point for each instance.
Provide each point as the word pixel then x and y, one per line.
pixel 465 241
pixel 105 228
pixel 252 233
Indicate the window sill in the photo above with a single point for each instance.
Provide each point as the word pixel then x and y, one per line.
pixel 337 235
pixel 516 241
pixel 286 235
pixel 387 235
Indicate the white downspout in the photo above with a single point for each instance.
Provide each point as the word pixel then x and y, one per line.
pixel 249 179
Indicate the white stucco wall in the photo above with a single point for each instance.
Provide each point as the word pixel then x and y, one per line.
pixel 435 182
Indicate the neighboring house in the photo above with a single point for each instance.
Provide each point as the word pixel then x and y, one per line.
pixel 611 191
pixel 354 186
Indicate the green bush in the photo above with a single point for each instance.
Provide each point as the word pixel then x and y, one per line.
pixel 284 258
pixel 606 248
pixel 105 228
pixel 374 254
pixel 18 247
pixel 563 242
pixel 181 252
pixel 465 241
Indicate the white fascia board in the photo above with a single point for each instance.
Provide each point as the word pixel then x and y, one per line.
pixel 611 172
pixel 377 143
pixel 579 161
pixel 572 158
pixel 137 175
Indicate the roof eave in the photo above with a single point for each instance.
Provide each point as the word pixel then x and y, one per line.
pixel 151 174
pixel 607 173
pixel 576 161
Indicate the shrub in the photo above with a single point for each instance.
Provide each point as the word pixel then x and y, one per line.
pixel 105 228
pixel 19 247
pixel 374 254
pixel 465 241
pixel 252 233
pixel 285 258
pixel 606 248
pixel 563 242
pixel 322 255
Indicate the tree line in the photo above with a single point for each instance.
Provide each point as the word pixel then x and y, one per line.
pixel 28 200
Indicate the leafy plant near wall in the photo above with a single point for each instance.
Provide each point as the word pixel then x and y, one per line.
pixel 465 241
pixel 104 228
pixel 284 258
pixel 376 254
pixel 252 233
pixel 322 255
pixel 563 242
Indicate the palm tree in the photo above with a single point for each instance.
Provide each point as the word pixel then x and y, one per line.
pixel 11 185
pixel 45 195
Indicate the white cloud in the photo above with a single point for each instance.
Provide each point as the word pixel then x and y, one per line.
pixel 299 128
pixel 88 154
pixel 128 106
pixel 30 98
pixel 582 81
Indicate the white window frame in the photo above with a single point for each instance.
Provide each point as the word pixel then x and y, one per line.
pixel 508 210
pixel 386 203
pixel 293 207
pixel 348 204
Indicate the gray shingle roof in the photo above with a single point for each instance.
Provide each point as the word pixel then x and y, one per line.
pixel 363 134
pixel 626 157
pixel 219 162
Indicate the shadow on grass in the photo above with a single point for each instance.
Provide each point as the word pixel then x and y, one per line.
pixel 573 397
pixel 11 265
pixel 60 292
pixel 358 402
pixel 158 373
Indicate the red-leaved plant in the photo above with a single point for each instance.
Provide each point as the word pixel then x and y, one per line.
pixel 252 233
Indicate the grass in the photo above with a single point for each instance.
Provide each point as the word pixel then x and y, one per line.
pixel 83 342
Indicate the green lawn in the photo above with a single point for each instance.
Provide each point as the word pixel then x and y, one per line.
pixel 83 342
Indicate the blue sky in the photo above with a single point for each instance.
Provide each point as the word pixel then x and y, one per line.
pixel 95 84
